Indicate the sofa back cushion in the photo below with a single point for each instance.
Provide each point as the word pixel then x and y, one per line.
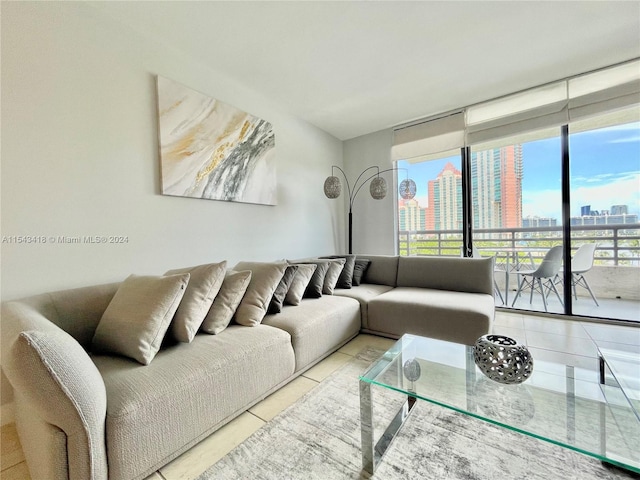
pixel 382 270
pixel 136 320
pixel 473 275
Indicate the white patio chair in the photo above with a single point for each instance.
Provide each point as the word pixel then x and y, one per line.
pixel 542 277
pixel 581 263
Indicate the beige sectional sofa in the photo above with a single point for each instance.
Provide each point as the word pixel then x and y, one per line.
pixel 439 297
pixel 83 416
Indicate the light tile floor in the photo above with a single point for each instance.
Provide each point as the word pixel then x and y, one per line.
pixel 547 337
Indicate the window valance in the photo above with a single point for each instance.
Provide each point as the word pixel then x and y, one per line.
pixel 550 105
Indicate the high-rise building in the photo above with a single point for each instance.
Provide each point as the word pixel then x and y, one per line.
pixel 445 200
pixel 410 216
pixel 619 209
pixel 496 186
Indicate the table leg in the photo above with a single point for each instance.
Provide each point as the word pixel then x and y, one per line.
pixel 372 454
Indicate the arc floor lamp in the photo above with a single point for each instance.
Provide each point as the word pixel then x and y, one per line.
pixel 377 189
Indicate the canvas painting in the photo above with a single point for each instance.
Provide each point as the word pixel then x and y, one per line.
pixel 212 150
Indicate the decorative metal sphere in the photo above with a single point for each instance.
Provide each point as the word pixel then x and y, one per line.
pixel 407 189
pixel 503 359
pixel 332 187
pixel 378 188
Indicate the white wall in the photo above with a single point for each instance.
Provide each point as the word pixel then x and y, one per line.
pixel 80 157
pixel 374 228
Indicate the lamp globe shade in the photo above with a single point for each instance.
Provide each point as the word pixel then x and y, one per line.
pixel 378 188
pixel 332 187
pixel 407 189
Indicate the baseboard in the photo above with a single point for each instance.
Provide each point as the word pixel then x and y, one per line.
pixel 7 413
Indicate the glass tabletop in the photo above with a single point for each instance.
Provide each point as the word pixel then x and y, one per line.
pixel 559 403
pixel 625 369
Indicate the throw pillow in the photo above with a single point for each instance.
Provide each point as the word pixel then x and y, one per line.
pixel 265 277
pixel 359 268
pixel 299 284
pixel 314 287
pixel 139 315
pixel 204 284
pixel 277 301
pixel 346 276
pixel 333 273
pixel 226 302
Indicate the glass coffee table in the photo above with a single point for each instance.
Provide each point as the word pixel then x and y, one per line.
pixel 561 404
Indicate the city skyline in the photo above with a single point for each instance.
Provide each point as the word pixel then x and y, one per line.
pixel 595 179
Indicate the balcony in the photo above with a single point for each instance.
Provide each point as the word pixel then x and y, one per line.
pixel 614 278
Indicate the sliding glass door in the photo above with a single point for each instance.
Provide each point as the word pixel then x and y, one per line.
pixel 516 198
pixel 605 204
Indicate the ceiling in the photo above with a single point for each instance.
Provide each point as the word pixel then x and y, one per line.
pixel 355 67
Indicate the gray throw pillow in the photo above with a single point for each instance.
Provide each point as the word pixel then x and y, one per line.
pixel 277 301
pixel 333 273
pixel 226 302
pixel 299 284
pixel 203 287
pixel 314 288
pixel 139 315
pixel 359 268
pixel 265 277
pixel 346 276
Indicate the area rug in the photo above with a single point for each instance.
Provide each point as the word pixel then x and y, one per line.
pixel 319 438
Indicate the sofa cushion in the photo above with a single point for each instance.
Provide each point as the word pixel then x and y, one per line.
pixel 447 315
pixel 226 302
pixel 277 301
pixel 157 412
pixel 446 273
pixel 333 274
pixel 317 326
pixel 299 284
pixel 364 293
pixel 314 288
pixel 204 284
pixel 361 265
pixel 383 269
pixel 265 277
pixel 346 276
pixel 138 316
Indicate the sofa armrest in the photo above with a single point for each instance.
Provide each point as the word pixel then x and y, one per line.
pixel 56 381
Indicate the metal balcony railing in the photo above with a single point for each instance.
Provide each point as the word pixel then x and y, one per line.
pixel 616 244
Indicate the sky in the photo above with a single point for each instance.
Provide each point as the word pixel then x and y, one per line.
pixel 604 171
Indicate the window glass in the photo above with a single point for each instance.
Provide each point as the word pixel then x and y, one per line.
pixel 605 206
pixel 431 222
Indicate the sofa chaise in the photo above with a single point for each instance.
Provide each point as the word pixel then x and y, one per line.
pixel 83 414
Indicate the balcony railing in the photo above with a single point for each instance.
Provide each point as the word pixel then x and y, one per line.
pixel 614 278
pixel 616 244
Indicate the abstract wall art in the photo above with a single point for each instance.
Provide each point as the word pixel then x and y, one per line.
pixel 212 150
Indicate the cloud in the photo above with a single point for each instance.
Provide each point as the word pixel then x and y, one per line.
pixel 631 139
pixel 548 203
